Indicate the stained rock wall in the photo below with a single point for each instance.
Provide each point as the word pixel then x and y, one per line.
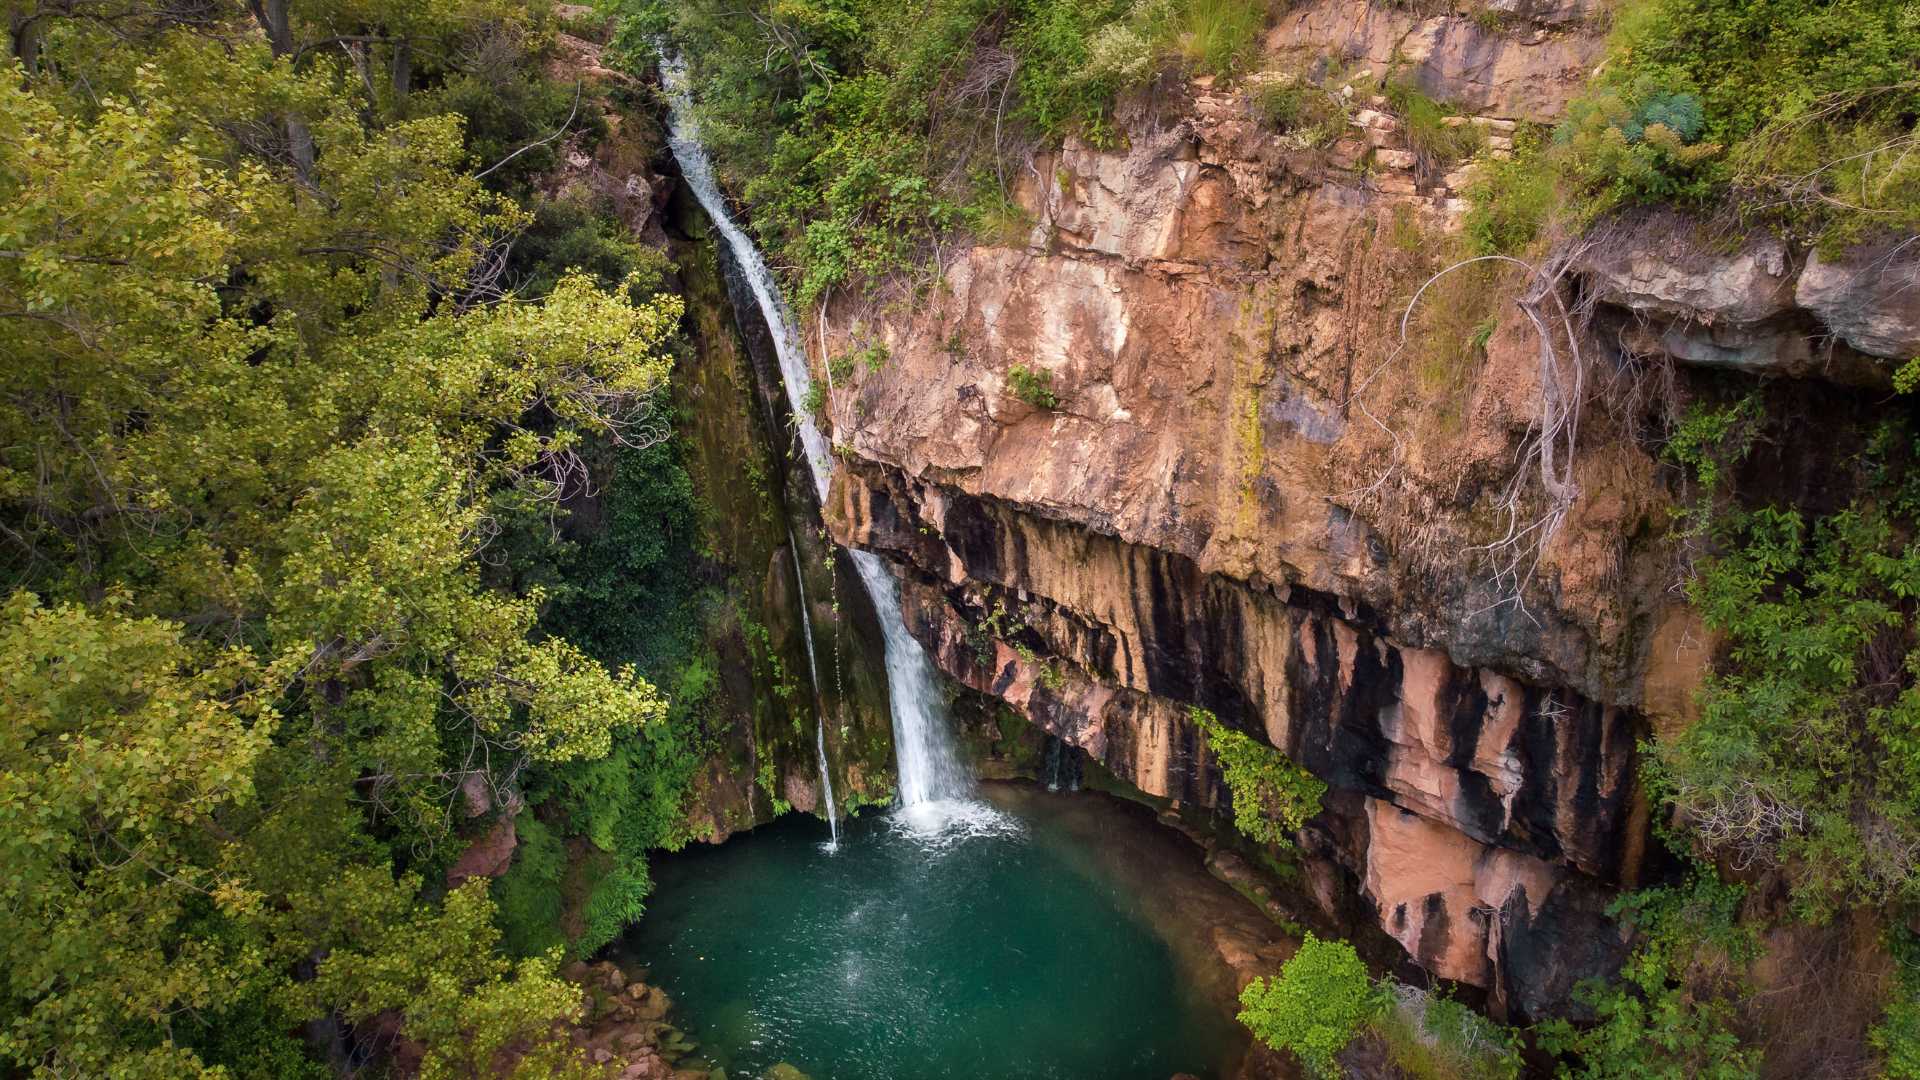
pixel 1256 496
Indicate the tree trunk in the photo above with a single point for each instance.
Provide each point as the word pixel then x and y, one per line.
pixel 273 17
pixel 402 76
pixel 23 37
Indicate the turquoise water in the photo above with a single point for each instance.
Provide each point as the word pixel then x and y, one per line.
pixel 1012 955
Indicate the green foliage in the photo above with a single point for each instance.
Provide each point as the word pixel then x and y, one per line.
pixel 1618 150
pixel 528 894
pixel 1438 143
pixel 873 357
pixel 437 968
pixel 1799 111
pixel 1671 1016
pixel 859 132
pixel 1272 796
pixel 1033 386
pixel 1429 1036
pixel 1808 750
pixel 573 235
pixel 629 590
pixel 1803 107
pixel 252 1041
pixel 1313 116
pixel 1897 1035
pixel 1318 1004
pixel 268 412
pixel 1510 201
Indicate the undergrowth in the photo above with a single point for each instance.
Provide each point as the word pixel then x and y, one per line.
pixel 1797 114
pixel 862 133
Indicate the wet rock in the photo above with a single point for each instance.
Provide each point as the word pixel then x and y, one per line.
pixel 801 790
pixel 783 1071
pixel 654 1006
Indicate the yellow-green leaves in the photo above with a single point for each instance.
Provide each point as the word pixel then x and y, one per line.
pixel 259 419
pixel 121 754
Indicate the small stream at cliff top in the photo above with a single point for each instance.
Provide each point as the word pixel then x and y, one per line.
pixel 936 794
pixel 1035 951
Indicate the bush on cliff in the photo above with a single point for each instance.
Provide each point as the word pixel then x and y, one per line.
pixel 1671 1017
pixel 1807 757
pixel 1272 796
pixel 1799 112
pixel 1316 1006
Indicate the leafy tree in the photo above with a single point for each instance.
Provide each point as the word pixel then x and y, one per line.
pixel 1806 757
pixel 266 412
pixel 1318 1004
pixel 1671 1016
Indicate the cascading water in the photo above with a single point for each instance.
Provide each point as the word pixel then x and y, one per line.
pixel 813 672
pixel 935 790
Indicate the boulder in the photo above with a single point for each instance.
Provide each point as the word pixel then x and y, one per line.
pixel 488 856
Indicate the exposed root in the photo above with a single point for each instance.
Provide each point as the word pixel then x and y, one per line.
pixel 1548 450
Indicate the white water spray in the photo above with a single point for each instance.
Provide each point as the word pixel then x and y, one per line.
pixel 935 790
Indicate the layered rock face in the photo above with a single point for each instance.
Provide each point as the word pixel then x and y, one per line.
pixel 1255 496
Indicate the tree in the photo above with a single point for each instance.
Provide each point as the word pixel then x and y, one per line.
pixel 263 416
pixel 1315 1008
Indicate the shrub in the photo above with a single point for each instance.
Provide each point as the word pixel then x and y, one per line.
pixel 1806 756
pixel 1897 1035
pixel 1813 102
pixel 1672 1015
pixel 1272 796
pixel 1033 386
pixel 1429 1036
pixel 1217 36
pixel 1437 143
pixel 1314 116
pixel 1510 201
pixel 528 894
pixel 1315 1007
pixel 1618 149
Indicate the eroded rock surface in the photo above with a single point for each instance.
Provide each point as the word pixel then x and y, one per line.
pixel 1252 496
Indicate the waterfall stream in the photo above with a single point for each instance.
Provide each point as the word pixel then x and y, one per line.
pixel 813 673
pixel 936 791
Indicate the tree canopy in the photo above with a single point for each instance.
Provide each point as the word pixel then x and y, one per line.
pixel 268 398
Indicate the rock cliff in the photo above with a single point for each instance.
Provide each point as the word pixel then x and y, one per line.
pixel 1253 496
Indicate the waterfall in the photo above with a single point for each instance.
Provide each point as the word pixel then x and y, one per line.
pixel 813 673
pixel 934 787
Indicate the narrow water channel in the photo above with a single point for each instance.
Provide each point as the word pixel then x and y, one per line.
pixel 1042 949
